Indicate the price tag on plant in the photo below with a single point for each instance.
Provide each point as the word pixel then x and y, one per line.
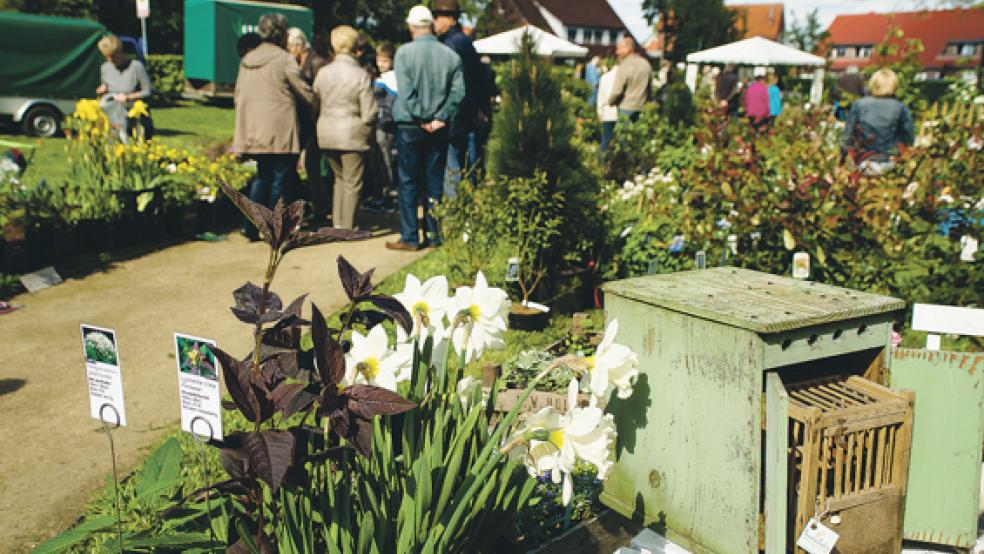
pixel 801 265
pixel 198 386
pixel 817 538
pixel 102 368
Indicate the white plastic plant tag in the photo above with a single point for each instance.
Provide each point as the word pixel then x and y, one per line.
pixel 512 270
pixel 198 386
pixel 817 538
pixel 700 260
pixel 733 244
pixel 968 248
pixel 102 368
pixel 933 342
pixel 801 265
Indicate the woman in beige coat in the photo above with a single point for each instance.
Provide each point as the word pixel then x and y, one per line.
pixel 268 88
pixel 345 122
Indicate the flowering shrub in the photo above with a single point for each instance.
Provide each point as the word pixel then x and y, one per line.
pixel 753 200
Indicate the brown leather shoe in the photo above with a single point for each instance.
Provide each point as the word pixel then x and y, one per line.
pixel 400 245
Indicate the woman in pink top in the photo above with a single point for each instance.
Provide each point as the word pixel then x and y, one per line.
pixel 757 100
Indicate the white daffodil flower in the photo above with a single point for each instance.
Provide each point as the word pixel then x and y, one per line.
pixel 371 361
pixel 466 387
pixel 427 303
pixel 481 313
pixel 613 365
pixel 586 434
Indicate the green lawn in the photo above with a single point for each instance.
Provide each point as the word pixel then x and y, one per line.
pixel 186 124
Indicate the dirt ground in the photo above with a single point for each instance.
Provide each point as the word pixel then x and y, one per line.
pixel 53 455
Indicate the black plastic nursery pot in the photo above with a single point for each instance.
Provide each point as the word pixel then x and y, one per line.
pixel 527 319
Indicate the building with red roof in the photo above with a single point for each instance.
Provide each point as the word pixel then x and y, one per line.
pixel 951 39
pixel 589 23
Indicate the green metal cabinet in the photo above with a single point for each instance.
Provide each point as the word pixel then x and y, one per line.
pixel 212 28
pixel 702 449
pixel 945 469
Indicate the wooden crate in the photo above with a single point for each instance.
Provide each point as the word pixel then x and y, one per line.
pixel 849 442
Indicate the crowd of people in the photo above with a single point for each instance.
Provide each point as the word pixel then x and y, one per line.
pixel 411 120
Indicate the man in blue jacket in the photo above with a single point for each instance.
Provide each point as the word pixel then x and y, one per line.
pixel 431 87
pixel 475 109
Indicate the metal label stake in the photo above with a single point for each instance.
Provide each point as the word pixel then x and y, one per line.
pixel 116 477
pixel 201 440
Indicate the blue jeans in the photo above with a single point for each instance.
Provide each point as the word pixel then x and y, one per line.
pixel 421 160
pixel 458 163
pixel 607 132
pixel 477 139
pixel 276 177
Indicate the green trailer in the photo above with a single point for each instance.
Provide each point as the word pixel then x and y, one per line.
pixel 49 63
pixel 212 28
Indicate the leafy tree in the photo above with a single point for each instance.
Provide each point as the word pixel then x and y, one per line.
pixel 806 35
pixel 693 24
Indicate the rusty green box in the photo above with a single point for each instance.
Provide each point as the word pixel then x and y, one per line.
pixel 703 440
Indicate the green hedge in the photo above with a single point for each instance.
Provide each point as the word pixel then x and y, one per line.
pixel 167 74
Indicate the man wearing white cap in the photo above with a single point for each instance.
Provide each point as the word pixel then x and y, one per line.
pixel 431 84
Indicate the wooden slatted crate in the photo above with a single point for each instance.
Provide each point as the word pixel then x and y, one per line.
pixel 849 444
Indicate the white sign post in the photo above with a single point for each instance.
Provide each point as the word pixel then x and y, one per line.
pixel 143 12
pixel 198 386
pixel 102 367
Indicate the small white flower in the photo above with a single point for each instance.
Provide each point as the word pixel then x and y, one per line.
pixel 371 361
pixel 481 312
pixel 613 365
pixel 427 303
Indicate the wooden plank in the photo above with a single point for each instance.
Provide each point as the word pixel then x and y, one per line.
pixel 752 300
pixel 776 464
pixel 942 492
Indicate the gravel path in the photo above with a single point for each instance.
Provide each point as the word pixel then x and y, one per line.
pixel 54 456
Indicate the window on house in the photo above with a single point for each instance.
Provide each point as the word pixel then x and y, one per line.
pixel 969 49
pixel 612 36
pixel 864 51
pixel 572 34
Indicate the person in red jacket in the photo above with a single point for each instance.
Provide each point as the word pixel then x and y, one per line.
pixel 757 100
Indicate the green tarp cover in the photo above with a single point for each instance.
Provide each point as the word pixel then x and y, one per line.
pixel 49 57
pixel 212 28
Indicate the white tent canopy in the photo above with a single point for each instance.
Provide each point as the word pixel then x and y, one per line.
pixel 758 51
pixel 508 43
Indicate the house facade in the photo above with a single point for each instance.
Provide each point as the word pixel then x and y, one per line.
pixel 589 23
pixel 760 20
pixel 952 39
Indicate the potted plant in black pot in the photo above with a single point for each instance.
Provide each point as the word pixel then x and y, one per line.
pixel 532 220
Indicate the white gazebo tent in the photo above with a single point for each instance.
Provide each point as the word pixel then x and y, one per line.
pixel 758 51
pixel 508 43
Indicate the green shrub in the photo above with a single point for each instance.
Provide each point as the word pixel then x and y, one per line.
pixel 167 74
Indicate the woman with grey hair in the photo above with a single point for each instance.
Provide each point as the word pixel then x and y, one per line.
pixel 268 88
pixel 348 111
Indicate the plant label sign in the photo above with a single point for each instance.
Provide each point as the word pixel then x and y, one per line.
pixel 198 386
pixel 102 368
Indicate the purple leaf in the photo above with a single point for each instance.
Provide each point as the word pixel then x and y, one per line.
pixel 236 377
pixel 327 352
pixel 356 430
pixel 291 398
pixel 233 462
pixel 366 401
pixel 294 309
pixel 323 235
pixel 269 453
pixel 258 214
pixel 395 309
pixel 248 299
pixel 357 285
